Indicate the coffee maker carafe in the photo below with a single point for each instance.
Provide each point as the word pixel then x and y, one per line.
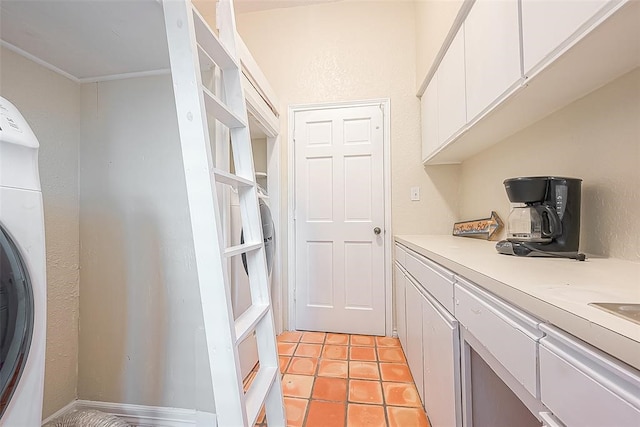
pixel 546 219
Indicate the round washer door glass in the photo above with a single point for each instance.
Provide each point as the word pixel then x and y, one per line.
pixel 16 317
pixel 268 233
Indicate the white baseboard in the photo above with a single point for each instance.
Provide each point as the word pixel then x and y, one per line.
pixel 144 416
pixel 60 412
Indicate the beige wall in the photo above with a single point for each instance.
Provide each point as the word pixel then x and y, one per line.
pixel 259 149
pixel 352 51
pixel 433 22
pixel 142 337
pixel 51 105
pixel 596 138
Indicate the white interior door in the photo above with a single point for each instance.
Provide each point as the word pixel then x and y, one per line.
pixel 339 206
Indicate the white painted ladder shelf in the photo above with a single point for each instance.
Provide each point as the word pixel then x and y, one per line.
pixel 192 42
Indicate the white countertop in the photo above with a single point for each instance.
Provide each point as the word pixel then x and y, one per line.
pixel 552 289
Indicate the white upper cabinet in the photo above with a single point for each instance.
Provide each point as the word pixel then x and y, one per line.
pixel 492 52
pixel 452 113
pixel 495 76
pixel 444 101
pixel 548 24
pixel 429 112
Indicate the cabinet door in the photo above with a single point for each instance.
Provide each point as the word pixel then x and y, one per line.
pixel 452 110
pixel 441 354
pixel 399 297
pixel 546 25
pixel 414 335
pixel 492 52
pixel 583 386
pixel 429 113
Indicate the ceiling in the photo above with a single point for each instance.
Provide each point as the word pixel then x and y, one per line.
pixel 87 40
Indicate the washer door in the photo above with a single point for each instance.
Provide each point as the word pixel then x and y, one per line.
pixel 16 317
pixel 268 232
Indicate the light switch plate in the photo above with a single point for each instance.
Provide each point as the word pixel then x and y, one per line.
pixel 415 193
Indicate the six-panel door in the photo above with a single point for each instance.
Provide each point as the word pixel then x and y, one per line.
pixel 339 204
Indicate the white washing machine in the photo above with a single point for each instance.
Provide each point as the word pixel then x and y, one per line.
pixel 22 274
pixel 240 294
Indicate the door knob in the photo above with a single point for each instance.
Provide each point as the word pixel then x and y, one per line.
pixel 377 230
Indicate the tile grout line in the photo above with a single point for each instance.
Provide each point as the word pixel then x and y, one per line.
pixel 316 371
pixel 384 398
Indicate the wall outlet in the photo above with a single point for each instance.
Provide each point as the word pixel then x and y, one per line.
pixel 415 193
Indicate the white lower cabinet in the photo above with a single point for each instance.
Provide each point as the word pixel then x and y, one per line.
pixel 413 350
pixel 431 343
pixel 441 365
pixel 488 363
pixel 584 387
pixel 399 302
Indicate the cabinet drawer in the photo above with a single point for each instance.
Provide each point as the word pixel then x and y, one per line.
pixel 510 339
pixel 400 255
pixel 435 279
pixel 583 387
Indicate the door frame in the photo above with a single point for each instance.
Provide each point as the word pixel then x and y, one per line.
pixel 268 122
pixel 385 105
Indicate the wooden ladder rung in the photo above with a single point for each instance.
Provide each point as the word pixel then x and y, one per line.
pixel 247 322
pixel 257 393
pixel 234 181
pixel 211 44
pixel 241 249
pixel 206 62
pixel 216 108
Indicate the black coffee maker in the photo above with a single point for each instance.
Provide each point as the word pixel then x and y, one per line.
pixel 547 220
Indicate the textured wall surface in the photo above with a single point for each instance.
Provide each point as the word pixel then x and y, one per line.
pixel 352 51
pixel 259 148
pixel 142 337
pixel 51 105
pixel 596 138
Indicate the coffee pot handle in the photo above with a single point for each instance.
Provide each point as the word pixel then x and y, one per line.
pixel 555 225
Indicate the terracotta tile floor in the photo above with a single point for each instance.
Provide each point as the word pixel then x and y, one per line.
pixel 338 380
